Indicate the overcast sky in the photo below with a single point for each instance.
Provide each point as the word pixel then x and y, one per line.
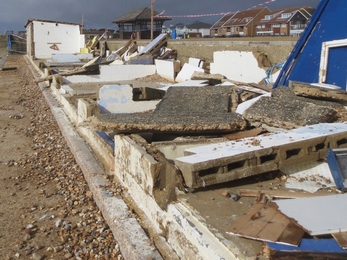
pixel 100 13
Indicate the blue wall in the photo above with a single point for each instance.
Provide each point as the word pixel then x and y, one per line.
pixel 328 23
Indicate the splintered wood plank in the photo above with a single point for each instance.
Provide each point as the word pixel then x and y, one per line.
pixel 341 239
pixel 291 235
pixel 267 224
pixel 258 223
pixel 240 223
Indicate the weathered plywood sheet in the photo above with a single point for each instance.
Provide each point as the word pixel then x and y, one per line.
pixel 267 224
pixel 318 215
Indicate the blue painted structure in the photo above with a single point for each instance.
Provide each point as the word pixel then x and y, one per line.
pixel 312 245
pixel 173 34
pixel 337 159
pixel 327 24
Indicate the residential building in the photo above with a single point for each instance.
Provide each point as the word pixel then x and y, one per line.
pixel 241 23
pixel 137 24
pixel 198 29
pixel 289 21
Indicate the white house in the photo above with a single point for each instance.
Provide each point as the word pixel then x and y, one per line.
pixel 199 27
pixel 45 38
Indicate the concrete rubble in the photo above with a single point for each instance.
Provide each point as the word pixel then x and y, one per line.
pixel 171 142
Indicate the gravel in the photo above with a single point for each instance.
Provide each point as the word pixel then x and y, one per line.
pixel 59 217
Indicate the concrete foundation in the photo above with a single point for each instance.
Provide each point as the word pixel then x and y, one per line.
pixel 150 172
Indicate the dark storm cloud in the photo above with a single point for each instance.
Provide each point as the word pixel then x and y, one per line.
pixel 100 14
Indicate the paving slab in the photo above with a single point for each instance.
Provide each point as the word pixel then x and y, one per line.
pixel 284 110
pixel 182 110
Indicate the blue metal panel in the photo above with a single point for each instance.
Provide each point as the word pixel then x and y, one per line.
pixel 311 245
pixel 303 63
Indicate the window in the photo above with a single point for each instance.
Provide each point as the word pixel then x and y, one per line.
pixel 286 15
pixel 247 19
pixel 268 17
pixel 276 25
pixel 284 25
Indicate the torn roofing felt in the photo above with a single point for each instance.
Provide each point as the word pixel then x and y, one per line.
pixel 184 110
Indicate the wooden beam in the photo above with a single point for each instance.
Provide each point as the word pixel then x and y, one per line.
pixel 278 194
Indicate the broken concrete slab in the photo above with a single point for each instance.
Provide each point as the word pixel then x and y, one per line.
pixel 190 124
pixel 196 101
pixel 183 110
pixel 213 79
pixel 283 110
pixel 119 99
pixel 246 67
pixel 241 108
pixel 196 62
pixel 186 72
pixel 167 69
pixel 222 162
pixel 308 90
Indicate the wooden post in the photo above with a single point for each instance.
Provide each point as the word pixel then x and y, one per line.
pixel 152 19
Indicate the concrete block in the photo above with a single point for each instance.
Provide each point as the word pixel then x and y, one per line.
pixel 65 89
pixel 207 245
pixel 119 99
pixel 237 65
pixel 142 165
pixel 221 162
pixel 85 108
pixel 186 72
pixel 167 69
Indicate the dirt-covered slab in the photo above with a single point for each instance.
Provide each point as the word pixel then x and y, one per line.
pixel 283 109
pixel 185 124
pixel 182 110
pixel 307 90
